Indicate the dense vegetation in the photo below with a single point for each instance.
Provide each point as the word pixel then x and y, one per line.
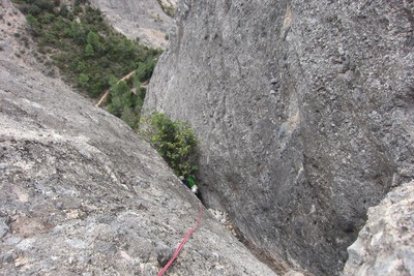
pixel 89 53
pixel 176 143
pixel 126 103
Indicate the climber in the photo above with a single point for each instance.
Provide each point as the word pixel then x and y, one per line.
pixel 190 182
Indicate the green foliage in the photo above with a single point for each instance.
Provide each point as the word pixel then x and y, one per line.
pixel 35 7
pixel 92 40
pixel 125 104
pixel 121 97
pixel 83 80
pixel 84 47
pixel 145 69
pixel 139 91
pixel 176 143
pixel 89 52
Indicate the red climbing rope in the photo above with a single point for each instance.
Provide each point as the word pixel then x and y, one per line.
pixel 186 237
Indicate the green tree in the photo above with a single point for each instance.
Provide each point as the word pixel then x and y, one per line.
pixel 176 143
pixel 121 97
pixel 83 80
pixel 93 40
pixel 89 52
pixel 145 69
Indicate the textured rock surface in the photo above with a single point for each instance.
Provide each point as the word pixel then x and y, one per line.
pixel 172 4
pixel 81 194
pixel 303 110
pixel 385 246
pixel 143 19
pixel 15 41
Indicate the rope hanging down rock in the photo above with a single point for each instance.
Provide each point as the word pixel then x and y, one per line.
pixel 185 239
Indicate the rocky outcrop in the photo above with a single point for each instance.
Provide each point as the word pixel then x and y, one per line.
pixel 16 43
pixel 303 111
pixel 142 19
pixel 82 194
pixel 385 246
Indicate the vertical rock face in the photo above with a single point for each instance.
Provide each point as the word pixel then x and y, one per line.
pixel 303 111
pixel 82 194
pixel 385 246
pixel 143 19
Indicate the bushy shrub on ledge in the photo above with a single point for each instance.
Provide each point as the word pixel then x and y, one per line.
pixel 176 143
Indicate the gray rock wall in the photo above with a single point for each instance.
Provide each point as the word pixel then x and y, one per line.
pixel 142 19
pixel 303 111
pixel 385 246
pixel 82 194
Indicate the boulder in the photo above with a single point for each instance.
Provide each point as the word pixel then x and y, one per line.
pixel 385 246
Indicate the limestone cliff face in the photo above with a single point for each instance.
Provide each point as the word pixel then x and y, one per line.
pixel 142 19
pixel 304 113
pixel 82 194
pixel 385 246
